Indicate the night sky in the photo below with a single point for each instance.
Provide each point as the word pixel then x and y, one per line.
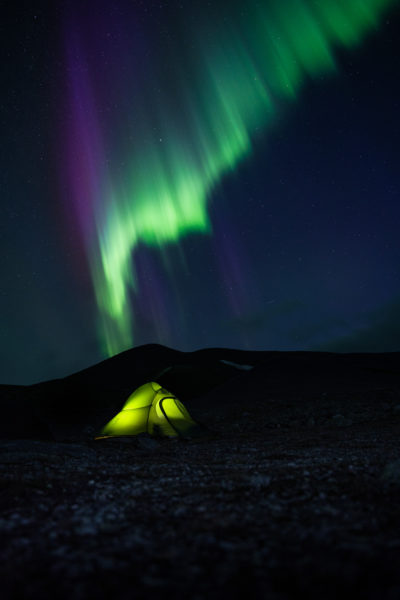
pixel 197 174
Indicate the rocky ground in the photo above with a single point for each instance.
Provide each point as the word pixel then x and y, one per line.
pixel 287 496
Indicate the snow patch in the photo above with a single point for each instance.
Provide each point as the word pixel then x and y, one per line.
pixel 238 365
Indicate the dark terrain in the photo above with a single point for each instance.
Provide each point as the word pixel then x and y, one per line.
pixel 293 490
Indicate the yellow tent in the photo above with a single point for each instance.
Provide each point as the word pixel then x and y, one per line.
pixel 150 409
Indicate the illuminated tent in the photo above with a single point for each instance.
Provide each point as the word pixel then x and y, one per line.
pixel 150 409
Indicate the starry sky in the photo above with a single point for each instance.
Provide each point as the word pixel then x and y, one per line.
pixel 197 174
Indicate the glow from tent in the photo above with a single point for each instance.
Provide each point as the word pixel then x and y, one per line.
pixel 142 413
pixel 145 151
pixel 128 422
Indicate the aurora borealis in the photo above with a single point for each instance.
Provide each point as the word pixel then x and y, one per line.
pixel 197 174
pixel 174 146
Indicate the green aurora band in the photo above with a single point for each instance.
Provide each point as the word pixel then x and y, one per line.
pixel 232 74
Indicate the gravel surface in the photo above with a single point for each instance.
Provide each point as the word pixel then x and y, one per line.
pixel 286 497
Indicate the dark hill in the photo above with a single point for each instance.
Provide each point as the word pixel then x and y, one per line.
pixel 208 381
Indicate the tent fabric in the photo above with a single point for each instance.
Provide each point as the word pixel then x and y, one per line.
pixel 150 409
